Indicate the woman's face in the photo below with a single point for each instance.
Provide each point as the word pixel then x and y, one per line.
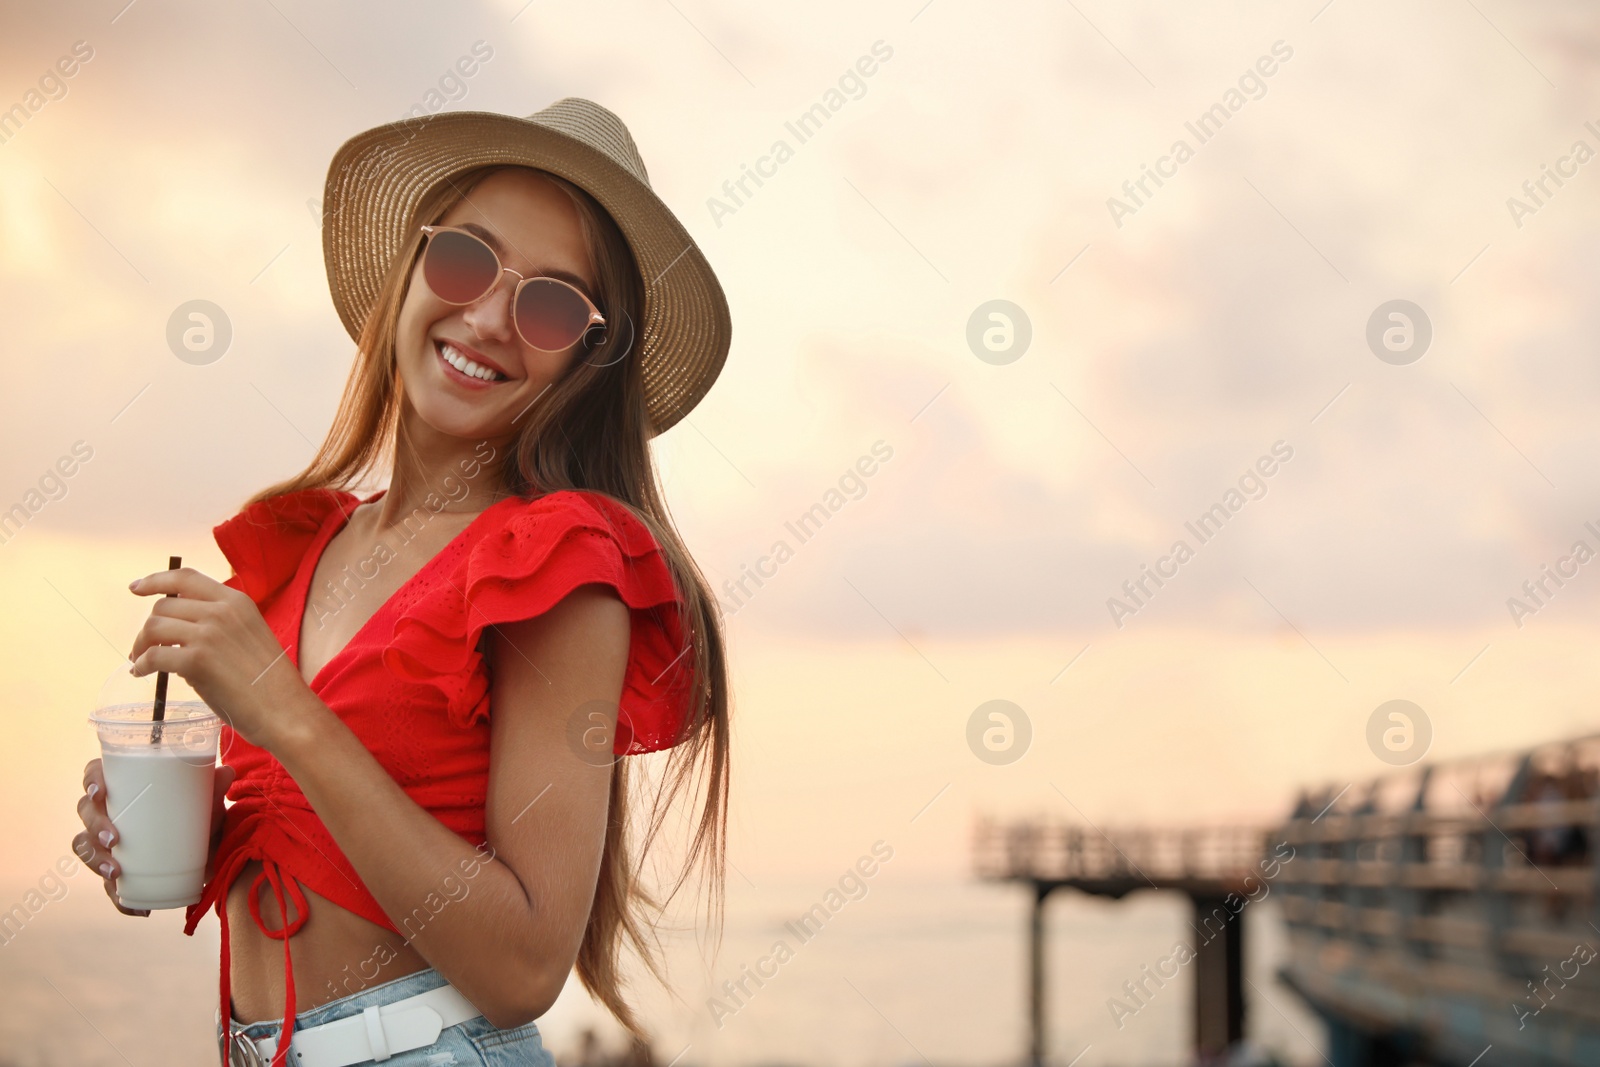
pixel 533 227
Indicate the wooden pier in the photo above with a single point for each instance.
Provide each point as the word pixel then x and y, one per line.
pixel 1217 869
pixel 1444 915
pixel 1441 911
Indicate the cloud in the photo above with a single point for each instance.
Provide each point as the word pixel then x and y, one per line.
pixel 1224 316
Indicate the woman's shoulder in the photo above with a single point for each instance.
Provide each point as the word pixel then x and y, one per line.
pixel 558 514
pixel 266 540
pixel 523 559
pixel 564 537
pixel 295 509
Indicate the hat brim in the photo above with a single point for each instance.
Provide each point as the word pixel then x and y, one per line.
pixel 378 177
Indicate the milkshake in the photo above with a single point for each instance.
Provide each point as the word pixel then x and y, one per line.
pixel 159 787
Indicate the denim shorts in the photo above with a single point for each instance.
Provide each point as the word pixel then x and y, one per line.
pixel 474 1043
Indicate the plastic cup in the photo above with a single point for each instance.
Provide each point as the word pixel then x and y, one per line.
pixel 159 790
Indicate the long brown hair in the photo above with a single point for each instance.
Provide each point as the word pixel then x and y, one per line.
pixel 590 431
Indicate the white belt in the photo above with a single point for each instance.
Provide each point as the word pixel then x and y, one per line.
pixel 379 1032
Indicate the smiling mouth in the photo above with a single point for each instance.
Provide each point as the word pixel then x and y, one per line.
pixel 458 362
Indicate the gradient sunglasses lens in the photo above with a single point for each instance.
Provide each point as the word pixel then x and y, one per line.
pixel 458 267
pixel 550 314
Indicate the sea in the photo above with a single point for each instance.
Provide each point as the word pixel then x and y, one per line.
pixel 902 971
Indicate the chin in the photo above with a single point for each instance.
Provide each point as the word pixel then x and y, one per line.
pixel 448 415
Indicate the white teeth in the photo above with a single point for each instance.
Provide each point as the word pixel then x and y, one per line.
pixel 466 366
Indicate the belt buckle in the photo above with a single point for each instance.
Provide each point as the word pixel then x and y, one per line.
pixel 239 1049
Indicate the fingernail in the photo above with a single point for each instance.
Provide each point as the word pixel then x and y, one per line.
pixel 94 787
pixel 106 838
pixel 105 869
pixel 134 584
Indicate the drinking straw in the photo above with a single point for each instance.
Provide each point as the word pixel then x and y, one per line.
pixel 173 563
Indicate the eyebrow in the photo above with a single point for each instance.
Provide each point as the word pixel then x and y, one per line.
pixel 499 246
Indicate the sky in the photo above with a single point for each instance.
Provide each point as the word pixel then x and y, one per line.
pixel 1182 339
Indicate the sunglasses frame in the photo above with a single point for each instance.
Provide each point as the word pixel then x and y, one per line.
pixel 595 318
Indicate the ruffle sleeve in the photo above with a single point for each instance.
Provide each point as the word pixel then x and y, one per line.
pixel 521 567
pixel 266 541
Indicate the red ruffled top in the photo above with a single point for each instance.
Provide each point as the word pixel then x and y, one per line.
pixel 413 683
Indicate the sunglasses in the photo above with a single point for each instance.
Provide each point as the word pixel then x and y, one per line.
pixel 460 268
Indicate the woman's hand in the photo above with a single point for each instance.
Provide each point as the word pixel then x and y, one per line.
pixel 215 637
pixel 93 845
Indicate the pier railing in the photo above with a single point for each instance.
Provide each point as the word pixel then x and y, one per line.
pixel 1087 857
pixel 1463 889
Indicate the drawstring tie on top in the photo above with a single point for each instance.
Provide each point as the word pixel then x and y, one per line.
pixel 272 875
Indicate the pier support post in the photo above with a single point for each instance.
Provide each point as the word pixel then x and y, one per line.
pixel 1218 977
pixel 1041 892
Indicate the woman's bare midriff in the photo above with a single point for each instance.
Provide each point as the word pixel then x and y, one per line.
pixel 336 953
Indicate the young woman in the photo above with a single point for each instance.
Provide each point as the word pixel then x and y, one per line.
pixel 426 691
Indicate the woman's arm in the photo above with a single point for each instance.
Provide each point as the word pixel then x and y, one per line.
pixel 510 942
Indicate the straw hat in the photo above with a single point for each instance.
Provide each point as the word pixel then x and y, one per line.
pixel 378 177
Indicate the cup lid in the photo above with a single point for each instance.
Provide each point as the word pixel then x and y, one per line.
pixel 124 698
pixel 187 712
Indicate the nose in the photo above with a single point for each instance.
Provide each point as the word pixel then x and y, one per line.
pixel 491 316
